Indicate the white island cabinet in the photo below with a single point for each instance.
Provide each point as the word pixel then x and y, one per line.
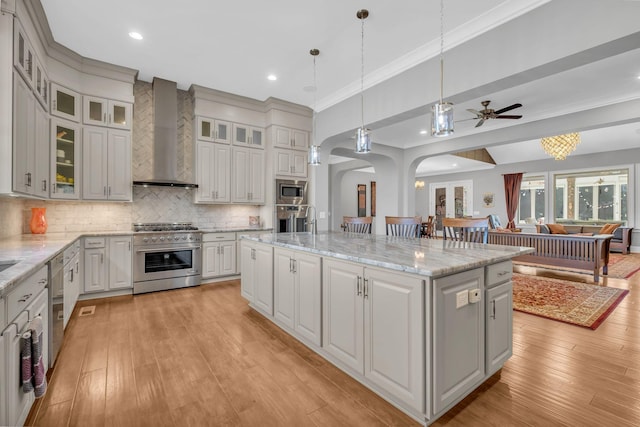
pixel 421 322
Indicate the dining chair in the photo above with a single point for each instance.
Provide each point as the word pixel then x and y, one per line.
pixel 466 229
pixel 357 224
pixel 403 226
pixel 427 227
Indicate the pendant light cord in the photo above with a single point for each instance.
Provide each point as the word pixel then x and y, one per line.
pixel 362 71
pixel 315 94
pixel 441 49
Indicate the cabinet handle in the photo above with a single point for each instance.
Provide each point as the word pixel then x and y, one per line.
pixel 55 104
pixel 502 273
pixel 104 117
pixel 358 291
pixel 77 267
pixel 129 245
pixel 295 266
pixel 109 118
pixel 44 185
pixel 104 191
pixel 215 132
pixel 71 274
pixel 290 265
pixel 54 187
pixel 109 194
pixel 101 258
pixel 366 288
pixel 42 281
pixel 25 298
pixel 493 309
pixel 253 254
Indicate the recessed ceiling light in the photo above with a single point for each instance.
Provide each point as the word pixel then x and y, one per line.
pixel 272 77
pixel 454 165
pixel 423 132
pixel 135 35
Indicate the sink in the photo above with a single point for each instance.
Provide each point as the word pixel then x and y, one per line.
pixel 7 264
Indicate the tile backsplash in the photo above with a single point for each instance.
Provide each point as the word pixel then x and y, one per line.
pixel 149 205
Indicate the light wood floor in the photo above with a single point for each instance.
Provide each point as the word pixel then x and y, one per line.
pixel 201 357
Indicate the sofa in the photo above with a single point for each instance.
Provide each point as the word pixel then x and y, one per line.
pixel 620 242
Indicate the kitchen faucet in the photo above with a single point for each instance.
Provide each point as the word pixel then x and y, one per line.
pixel 314 220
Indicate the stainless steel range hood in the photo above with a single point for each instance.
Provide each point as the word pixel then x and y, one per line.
pixel 165 137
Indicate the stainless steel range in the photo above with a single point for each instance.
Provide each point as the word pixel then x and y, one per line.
pixel 166 256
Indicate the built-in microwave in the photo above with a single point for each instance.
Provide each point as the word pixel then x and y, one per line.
pixel 291 192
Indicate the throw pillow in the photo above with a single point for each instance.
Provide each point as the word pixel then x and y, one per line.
pixel 557 229
pixel 608 228
pixel 543 229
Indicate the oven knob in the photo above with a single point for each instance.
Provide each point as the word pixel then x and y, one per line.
pixel 153 239
pixel 162 238
pixel 146 239
pixel 184 237
pixel 190 237
pixel 176 238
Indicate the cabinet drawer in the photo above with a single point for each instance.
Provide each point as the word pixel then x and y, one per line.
pixel 94 242
pixel 25 293
pixel 218 237
pixel 71 251
pixel 498 273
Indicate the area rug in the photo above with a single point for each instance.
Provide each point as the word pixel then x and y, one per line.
pixel 620 266
pixel 576 303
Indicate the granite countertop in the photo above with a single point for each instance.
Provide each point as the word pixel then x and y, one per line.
pixel 238 229
pixel 33 251
pixel 426 257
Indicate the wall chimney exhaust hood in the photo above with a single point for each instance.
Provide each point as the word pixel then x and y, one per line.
pixel 165 137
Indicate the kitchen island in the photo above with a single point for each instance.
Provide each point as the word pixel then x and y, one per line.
pixel 422 322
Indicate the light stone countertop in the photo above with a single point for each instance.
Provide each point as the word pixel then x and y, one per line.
pixel 33 251
pixel 425 257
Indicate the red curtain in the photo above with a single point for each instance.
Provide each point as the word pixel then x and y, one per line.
pixel 512 195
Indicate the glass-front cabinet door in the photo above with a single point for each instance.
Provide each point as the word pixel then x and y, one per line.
pixel 65 103
pixel 212 130
pixel 248 135
pixel 23 56
pixel 41 85
pixel 65 160
pixel 106 112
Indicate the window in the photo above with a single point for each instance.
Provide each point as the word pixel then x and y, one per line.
pixel 591 197
pixel 531 205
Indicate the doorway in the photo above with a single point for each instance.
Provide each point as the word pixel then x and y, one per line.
pixel 450 199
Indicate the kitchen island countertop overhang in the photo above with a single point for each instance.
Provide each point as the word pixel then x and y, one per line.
pixel 424 257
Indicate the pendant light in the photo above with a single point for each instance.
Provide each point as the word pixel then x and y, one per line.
pixel 442 112
pixel 363 135
pixel 314 150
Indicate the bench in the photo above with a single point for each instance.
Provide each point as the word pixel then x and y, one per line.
pixel 561 250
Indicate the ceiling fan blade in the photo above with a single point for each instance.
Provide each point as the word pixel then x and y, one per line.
pixel 509 108
pixel 465 120
pixel 476 112
pixel 480 123
pixel 507 117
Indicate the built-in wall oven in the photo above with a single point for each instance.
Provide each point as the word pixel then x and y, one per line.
pixel 166 257
pixel 291 218
pixel 291 192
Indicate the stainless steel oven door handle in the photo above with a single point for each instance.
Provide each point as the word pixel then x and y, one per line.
pixel 189 248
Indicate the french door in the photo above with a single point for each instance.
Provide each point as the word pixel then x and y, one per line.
pixel 450 199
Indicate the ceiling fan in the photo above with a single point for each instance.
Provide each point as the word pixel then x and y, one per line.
pixel 489 113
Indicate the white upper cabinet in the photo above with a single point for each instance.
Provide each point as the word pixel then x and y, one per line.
pixel 65 103
pixel 106 164
pixel 106 112
pixel 290 163
pixel 290 138
pixel 213 173
pixel 213 130
pixel 248 135
pixel 248 176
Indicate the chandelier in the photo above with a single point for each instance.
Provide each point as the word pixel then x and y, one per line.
pixel 363 135
pixel 560 146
